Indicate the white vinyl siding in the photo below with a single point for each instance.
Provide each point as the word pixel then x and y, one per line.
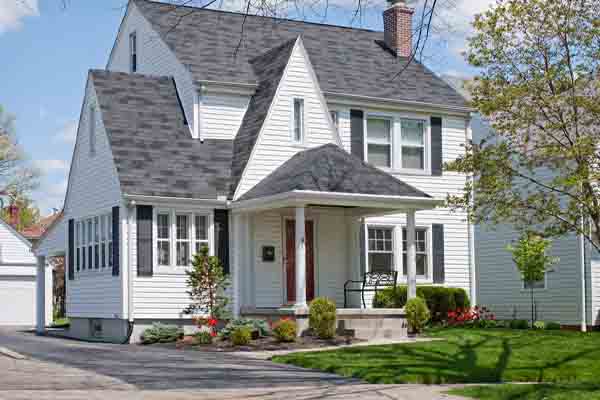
pixel 274 145
pixel 221 115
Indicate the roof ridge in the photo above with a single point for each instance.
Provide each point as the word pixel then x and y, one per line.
pixel 259 16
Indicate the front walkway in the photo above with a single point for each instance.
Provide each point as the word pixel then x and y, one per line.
pixel 63 369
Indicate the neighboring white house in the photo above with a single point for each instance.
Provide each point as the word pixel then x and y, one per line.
pixel 17 278
pixel 570 292
pixel 295 157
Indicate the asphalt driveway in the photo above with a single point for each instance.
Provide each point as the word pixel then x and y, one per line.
pixel 67 369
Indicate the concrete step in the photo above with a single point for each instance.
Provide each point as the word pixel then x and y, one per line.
pixel 375 328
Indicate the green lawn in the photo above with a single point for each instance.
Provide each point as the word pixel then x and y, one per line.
pixel 531 392
pixel 468 356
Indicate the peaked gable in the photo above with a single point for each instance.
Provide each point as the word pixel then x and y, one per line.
pixel 273 144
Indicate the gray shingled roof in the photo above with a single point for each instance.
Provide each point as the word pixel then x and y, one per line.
pixel 269 68
pixel 152 148
pixel 346 60
pixel 328 168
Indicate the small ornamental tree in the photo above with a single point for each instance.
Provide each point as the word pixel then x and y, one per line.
pixel 207 283
pixel 530 257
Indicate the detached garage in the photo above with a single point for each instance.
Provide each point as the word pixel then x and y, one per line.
pixel 17 278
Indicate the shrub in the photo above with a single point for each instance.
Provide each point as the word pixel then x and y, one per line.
pixel 321 317
pixel 519 324
pixel 258 326
pixel 439 299
pixel 241 336
pixel 204 337
pixel 552 326
pixel 417 314
pixel 160 333
pixel 285 330
pixel 540 325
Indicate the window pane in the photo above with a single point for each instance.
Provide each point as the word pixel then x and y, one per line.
pixel 201 227
pixel 96 229
pixel 379 155
pixel 110 254
pixel 110 228
pixel 412 132
pixel 182 227
pixel 103 227
pixel 164 253
pixel 104 255
pixel 421 264
pixel 163 226
pixel 90 231
pixel 183 251
pixel 379 129
pixel 412 157
pixel 298 119
pixel 380 262
pixel 199 245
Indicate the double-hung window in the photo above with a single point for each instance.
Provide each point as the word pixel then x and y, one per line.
pixel 103 240
pixel 381 249
pixel 163 235
pixel 379 142
pixel 133 61
pixel 96 243
pixel 200 232
pixel 413 144
pixel 421 246
pixel 298 121
pixel 110 242
pixel 83 245
pixel 182 240
pixel 78 245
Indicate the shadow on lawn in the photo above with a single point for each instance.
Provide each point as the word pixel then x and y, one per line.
pixel 530 392
pixel 480 358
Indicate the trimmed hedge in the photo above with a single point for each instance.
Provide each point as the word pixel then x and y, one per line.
pixel 439 299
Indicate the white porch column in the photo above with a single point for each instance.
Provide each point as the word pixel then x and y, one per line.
pixel 300 258
pixel 40 296
pixel 240 222
pixel 411 268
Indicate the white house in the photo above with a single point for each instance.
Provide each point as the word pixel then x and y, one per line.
pixel 18 280
pixel 297 159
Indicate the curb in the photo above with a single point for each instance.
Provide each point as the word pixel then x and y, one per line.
pixel 11 354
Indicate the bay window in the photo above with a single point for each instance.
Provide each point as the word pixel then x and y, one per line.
pixel 421 247
pixel 379 142
pixel 381 249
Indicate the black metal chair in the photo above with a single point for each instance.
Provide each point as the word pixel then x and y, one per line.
pixel 371 282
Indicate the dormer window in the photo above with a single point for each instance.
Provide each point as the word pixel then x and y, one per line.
pixel 133 52
pixel 298 121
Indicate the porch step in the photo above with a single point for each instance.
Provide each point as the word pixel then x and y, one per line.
pixel 375 328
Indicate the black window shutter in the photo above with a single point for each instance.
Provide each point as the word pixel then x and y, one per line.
pixel 357 133
pixel 144 241
pixel 437 233
pixel 436 146
pixel 116 239
pixel 221 221
pixel 71 250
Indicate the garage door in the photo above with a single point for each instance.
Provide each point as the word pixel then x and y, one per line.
pixel 17 300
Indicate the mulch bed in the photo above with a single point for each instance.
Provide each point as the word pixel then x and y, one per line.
pixel 262 344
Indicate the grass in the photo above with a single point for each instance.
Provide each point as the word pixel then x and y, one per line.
pixel 531 392
pixel 468 356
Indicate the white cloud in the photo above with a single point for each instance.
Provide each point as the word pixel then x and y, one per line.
pixel 51 165
pixel 50 196
pixel 68 133
pixel 12 13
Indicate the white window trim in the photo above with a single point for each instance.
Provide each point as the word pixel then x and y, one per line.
pixel 172 268
pixel 428 277
pixel 394 244
pixel 381 142
pixel 83 244
pixel 302 140
pixel 396 140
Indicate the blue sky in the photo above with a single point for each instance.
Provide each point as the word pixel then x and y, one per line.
pixel 46 52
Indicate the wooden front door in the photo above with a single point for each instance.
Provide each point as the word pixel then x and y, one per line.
pixel 290 260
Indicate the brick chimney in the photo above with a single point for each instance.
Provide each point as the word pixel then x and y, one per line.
pixel 397 27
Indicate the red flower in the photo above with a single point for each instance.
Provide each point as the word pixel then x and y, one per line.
pixel 213 333
pixel 212 322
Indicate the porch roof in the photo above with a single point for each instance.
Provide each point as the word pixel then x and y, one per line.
pixel 329 168
pixel 328 175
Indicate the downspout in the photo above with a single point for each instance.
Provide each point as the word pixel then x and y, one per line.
pixel 471 229
pixel 583 282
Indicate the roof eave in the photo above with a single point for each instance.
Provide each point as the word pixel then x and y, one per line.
pixel 296 198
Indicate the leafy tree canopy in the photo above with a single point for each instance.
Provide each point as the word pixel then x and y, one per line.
pixel 540 93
